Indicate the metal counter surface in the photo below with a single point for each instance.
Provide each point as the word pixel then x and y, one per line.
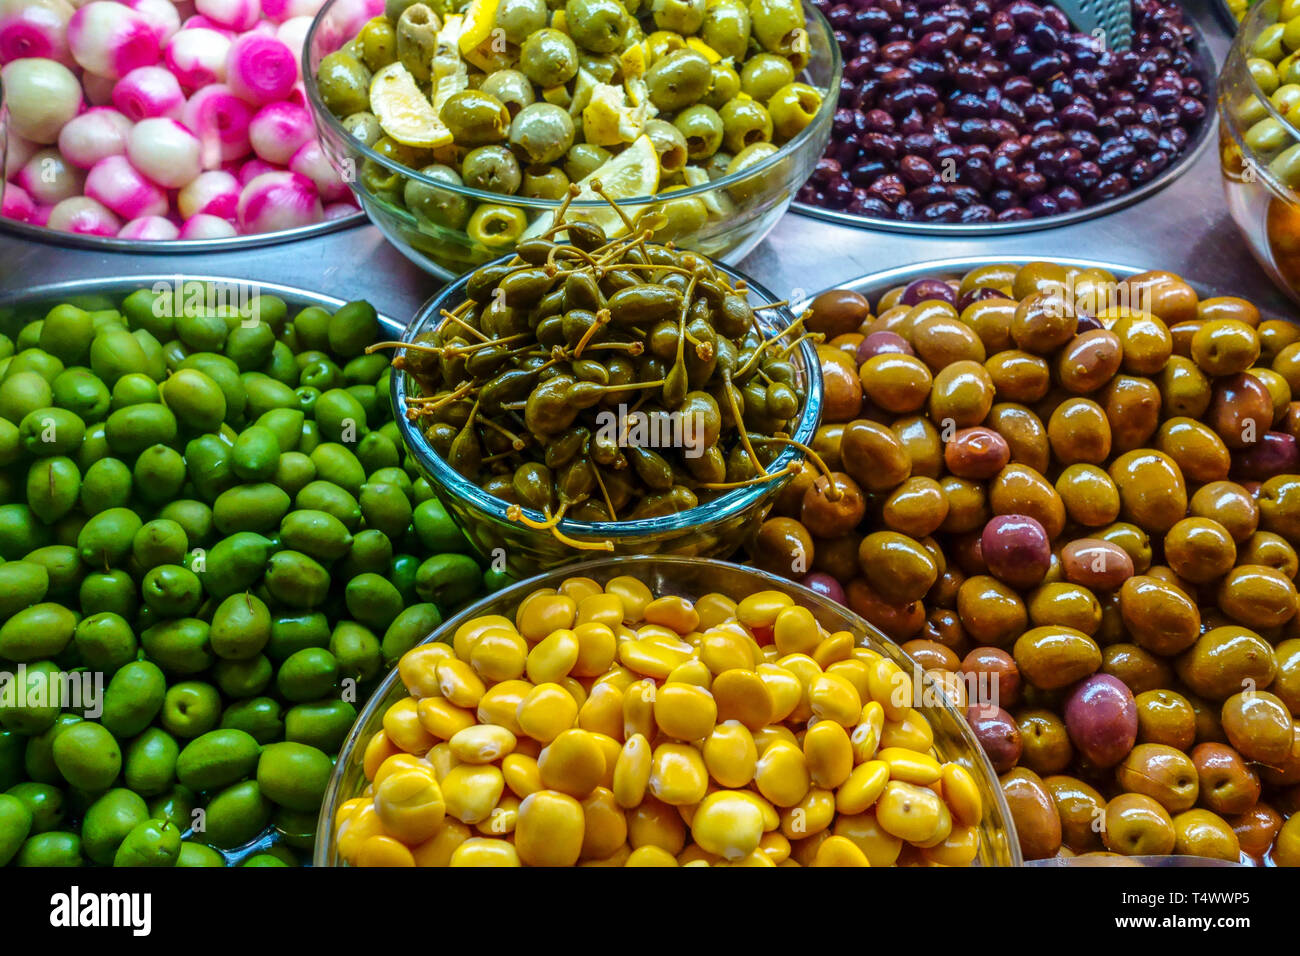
pixel 1184 228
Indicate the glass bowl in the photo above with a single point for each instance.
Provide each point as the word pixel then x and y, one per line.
pixel 713 529
pixel 725 218
pixel 691 578
pixel 1259 150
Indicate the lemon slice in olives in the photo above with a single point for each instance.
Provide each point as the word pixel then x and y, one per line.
pixel 403 112
pixel 632 173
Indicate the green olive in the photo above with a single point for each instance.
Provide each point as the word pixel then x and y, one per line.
pixel 542 133
pixel 793 107
pixel 511 87
pixel 544 182
pixel 604 67
pixel 492 169
pixel 669 144
pixel 475 118
pixel 678 80
pixel 596 25
pixel 417 39
pixel 765 73
pixel 778 25
pixel 520 19
pixel 364 127
pixel 745 122
pixel 378 43
pixel 439 207
pixel 549 58
pixel 496 226
pixel 583 159
pixel 344 84
pixel 724 84
pixel 679 16
pixel 702 128
pixel 726 28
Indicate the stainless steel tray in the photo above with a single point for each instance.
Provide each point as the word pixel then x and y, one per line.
pixel 1205 71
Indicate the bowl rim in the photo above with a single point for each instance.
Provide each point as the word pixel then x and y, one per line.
pixel 830 102
pixel 727 505
pixel 325 824
pixel 1206 72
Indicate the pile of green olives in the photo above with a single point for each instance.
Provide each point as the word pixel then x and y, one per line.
pixel 548 384
pixel 211 550
pixel 538 94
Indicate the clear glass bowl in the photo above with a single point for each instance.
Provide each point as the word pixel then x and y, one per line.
pixel 739 210
pixel 1259 150
pixel 691 578
pixel 713 529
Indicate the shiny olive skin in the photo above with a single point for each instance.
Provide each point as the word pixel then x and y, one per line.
pixel 1227 785
pixel 1080 807
pixel 1037 822
pixel 1162 772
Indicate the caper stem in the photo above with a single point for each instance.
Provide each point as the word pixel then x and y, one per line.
pixel 740 423
pixel 602 319
pixel 519 443
pixel 757 479
pixel 816 459
pixel 604 493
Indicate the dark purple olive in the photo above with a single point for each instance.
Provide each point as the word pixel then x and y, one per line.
pixel 1016 550
pixel 883 343
pixel 1101 719
pixel 825 585
pixel 1275 453
pixel 997 733
pixel 922 290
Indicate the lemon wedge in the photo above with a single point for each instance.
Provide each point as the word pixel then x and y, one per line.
pixel 629 175
pixel 403 112
pixel 481 43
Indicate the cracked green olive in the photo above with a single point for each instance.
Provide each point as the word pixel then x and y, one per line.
pixel 542 132
pixel 475 118
pixel 549 58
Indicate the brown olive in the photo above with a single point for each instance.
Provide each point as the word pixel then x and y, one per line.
pixel 1258 725
pixel 1227 785
pixel 1133 407
pixel 1202 833
pixel 832 506
pixel 1132 539
pixel 1200 550
pixel 1199 453
pixel 1089 361
pixel 1241 410
pixel 1045 744
pixel 1159 617
pixel 874 456
pixel 1025 434
pixel 917 507
pixel 943 626
pixel 897 383
pixel 1223 659
pixel 1079 432
pixel 1152 492
pixel 961 396
pixel 1065 604
pixel 1055 656
pixel 923 443
pixel 941 339
pixel 1279 391
pixel 1162 293
pixel 1018 490
pixel 790 498
pixel 1287 683
pixel 998 735
pixel 897 567
pixel 967 505
pixel 1256 828
pixel 998 277
pixel 1184 388
pixel 1181 336
pixel 1257 596
pixel 1137 825
pixel 1145 340
pixel 991 612
pixel 1230 505
pixel 996 677
pixel 1279 506
pixel 1035 277
pixel 1090 497
pixel 783 546
pixel 1162 772
pixel 1287 364
pixel 976 453
pixel 1165 717
pixel 836 312
pixel 899 621
pixel 828 443
pixel 1043 323
pixel 1274 336
pixel 841 389
pixel 837 556
pixel 1096 564
pixel 1136 667
pixel 849 343
pixel 1224 347
pixel 1208 728
pixel 1228 307
pixel 1019 376
pixel 991 320
pixel 1081 809
pixel 931 655
pixel 1032 811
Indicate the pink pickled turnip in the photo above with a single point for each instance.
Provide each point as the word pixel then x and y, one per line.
pixel 254 168
pixel 159 14
pixel 20 150
pixel 293 34
pixel 149 91
pixel 99 89
pixel 260 69
pixel 40 215
pixel 339 210
pixel 165 151
pixel 277 130
pixel 275 201
pixel 17 204
pixel 310 161
pixel 84 216
pixel 41 96
pixel 149 229
pixel 100 131
pixel 49 178
pixel 199 22
pixel 213 193
pixel 282 11
pixel 110 39
pixel 121 187
pixel 204 226
pixel 232 14
pixel 35 28
pixel 197 57
pixel 220 120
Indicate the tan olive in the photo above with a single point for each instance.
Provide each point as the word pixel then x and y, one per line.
pixel 1152 492
pixel 1090 497
pixel 1257 596
pixel 874 456
pixel 1035 277
pixel 841 387
pixel 1025 434
pixel 1278 390
pixel 917 507
pixel 1044 321
pixel 1287 774
pixel 1256 828
pixel 838 556
pixel 923 444
pixel 1241 410
pixel 1044 742
pixel 783 546
pixel 1184 388
pixel 991 321
pixel 1202 833
pixel 1200 550
pixel 1133 406
pixel 1199 453
pixel 1081 809
pixel 1163 293
pixel 999 276
pixel 1227 785
pixel 1032 811
pixel 1181 335
pixel 1228 307
pixel 1166 575
pixel 1019 376
pixel 1271 550
pixel 1223 659
pixel 941 339
pixel 977 453
pixel 1111 630
pixel 1287 683
pixel 1165 717
pixel 1145 340
pixel 1132 539
pixel 1225 347
pixel 931 655
pixel 961 396
pixel 897 567
pixel 1137 825
pixel 1052 657
pixel 1208 728
pixel 828 442
pixel 1018 490
pixel 1279 506
pixel 1159 617
pixel 897 383
pixel 1089 361
pixel 1258 725
pixel 967 505
pixel 1229 504
pixel 1096 564
pixel 1065 604
pixel 1136 667
pixel 1079 432
pixel 1162 772
pixel 990 612
pixel 836 312
pixel 1274 336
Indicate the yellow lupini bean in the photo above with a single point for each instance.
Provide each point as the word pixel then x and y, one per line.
pixel 485 851
pixel 482 743
pixel 678 775
pixel 471 791
pixel 605 726
pixel 727 825
pixel 828 753
pixel 685 711
pixel 572 763
pixel 410 805
pixel 632 771
pixel 546 712
pixel 730 755
pixel 553 657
